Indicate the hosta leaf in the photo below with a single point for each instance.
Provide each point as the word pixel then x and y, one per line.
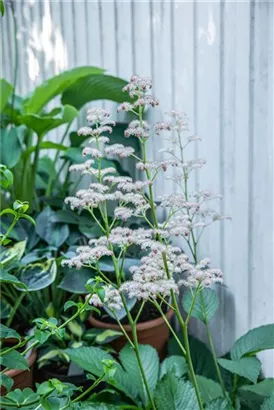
pixel 175 394
pixel 55 234
pixel 5 88
pixel 6 277
pixel 89 358
pixel 254 341
pixel 11 147
pixel 39 275
pixel 268 404
pixel 174 364
pixel 209 389
pixel 74 280
pixel 219 404
pixel 6 381
pixel 6 332
pixel 206 304
pixel 95 87
pixel 248 367
pixel 14 360
pixel 12 254
pixel 131 372
pixel 43 124
pixel 56 85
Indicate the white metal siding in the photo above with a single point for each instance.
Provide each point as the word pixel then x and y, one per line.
pixel 212 60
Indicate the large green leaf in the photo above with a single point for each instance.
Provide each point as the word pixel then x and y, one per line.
pixel 206 304
pixel 39 275
pixel 219 404
pixel 55 234
pixel 43 124
pixel 11 147
pixel 95 87
pixel 6 277
pixel 248 367
pixel 55 86
pixel 14 360
pixel 268 404
pixel 208 388
pixel 74 280
pixel 89 358
pixel 175 394
pixel 174 364
pixel 131 372
pixel 254 341
pixel 5 93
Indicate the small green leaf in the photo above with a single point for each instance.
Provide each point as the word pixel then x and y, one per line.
pixel 6 177
pixel 6 277
pixel 254 341
pixel 5 87
pixel 107 336
pixel 69 304
pixel 14 360
pixel 206 304
pixel 6 333
pixel 248 367
pixel 75 328
pixel 174 364
pixel 6 381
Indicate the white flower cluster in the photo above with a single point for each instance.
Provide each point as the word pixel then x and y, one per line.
pixel 201 274
pixel 119 150
pixel 112 299
pixel 87 255
pixel 137 129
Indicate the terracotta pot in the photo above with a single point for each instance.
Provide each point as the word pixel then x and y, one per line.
pixel 22 378
pixel 153 332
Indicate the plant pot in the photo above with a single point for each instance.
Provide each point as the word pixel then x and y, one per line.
pixel 153 332
pixel 22 378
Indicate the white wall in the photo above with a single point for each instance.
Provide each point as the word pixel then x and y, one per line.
pixel 213 60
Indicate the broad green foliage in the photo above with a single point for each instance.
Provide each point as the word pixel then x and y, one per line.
pixel 94 87
pixel 174 364
pixel 254 341
pixel 89 358
pixel 11 146
pixel 206 304
pixel 38 275
pixel 5 87
pixel 55 86
pixel 175 394
pixel 55 234
pixel 248 367
pixel 219 404
pixel 209 389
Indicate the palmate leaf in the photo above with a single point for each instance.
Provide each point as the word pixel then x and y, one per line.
pixel 95 87
pixel 55 86
pixel 206 304
pixel 130 372
pixel 175 394
pixel 43 124
pixel 248 367
pixel 254 341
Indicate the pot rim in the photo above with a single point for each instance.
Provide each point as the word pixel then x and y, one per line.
pixel 140 326
pixel 31 359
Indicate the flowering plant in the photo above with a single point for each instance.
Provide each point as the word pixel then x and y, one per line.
pixel 165 268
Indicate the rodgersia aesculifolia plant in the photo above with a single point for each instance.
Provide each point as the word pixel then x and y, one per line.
pixel 165 268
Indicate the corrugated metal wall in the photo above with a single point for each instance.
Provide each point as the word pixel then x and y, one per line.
pixel 212 60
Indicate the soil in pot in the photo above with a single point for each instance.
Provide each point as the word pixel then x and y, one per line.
pixel 151 329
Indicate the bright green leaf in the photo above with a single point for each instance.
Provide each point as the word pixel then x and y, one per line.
pixel 248 367
pixel 5 87
pixel 254 341
pixel 206 304
pixel 55 86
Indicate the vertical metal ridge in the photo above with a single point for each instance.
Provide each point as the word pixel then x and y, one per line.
pixel 116 38
pixel 195 86
pixel 133 37
pixel 251 154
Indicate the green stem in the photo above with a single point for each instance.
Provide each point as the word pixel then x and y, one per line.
pixel 234 391
pixel 17 304
pixel 88 390
pixel 35 166
pixel 9 230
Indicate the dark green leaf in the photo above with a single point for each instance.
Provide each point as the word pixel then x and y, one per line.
pixel 39 275
pixel 74 280
pixel 10 146
pixel 254 341
pixel 42 125
pixel 121 313
pixel 14 360
pixel 6 277
pixel 5 87
pixel 175 394
pixel 264 388
pixel 5 309
pixel 248 367
pixel 21 397
pixel 95 87
pixel 174 364
pixel 206 304
pixel 209 389
pixel 54 234
pixel 268 404
pixel 56 85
